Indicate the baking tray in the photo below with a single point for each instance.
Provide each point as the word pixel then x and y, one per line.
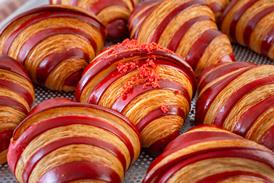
pixel 137 171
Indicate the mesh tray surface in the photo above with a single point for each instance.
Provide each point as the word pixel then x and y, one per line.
pixel 137 171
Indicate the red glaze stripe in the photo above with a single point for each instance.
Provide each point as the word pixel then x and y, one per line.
pixel 73 79
pixel 251 115
pixel 175 12
pixel 229 7
pixel 219 72
pixel 9 64
pixel 267 138
pixel 49 63
pixel 205 100
pixel 226 108
pixel 45 150
pixel 99 90
pixel 267 42
pixel 158 146
pixel 165 172
pixel 157 113
pixel 37 38
pixel 120 104
pixel 5 137
pixel 226 175
pixel 39 128
pixel 134 21
pixel 252 23
pixel 80 170
pixel 216 7
pixel 14 87
pixel 97 6
pixel 198 48
pixel 146 14
pixel 193 138
pixel 104 62
pixel 237 15
pixel 46 14
pixel 10 102
pixel 178 36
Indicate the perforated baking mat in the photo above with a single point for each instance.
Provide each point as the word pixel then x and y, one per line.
pixel 137 171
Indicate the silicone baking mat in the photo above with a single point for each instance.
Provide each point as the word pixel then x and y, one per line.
pixel 137 171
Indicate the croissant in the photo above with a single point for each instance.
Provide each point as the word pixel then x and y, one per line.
pixel 251 23
pixel 113 14
pixel 64 141
pixel 239 97
pixel 16 98
pixel 208 154
pixel 186 27
pixel 54 43
pixel 150 85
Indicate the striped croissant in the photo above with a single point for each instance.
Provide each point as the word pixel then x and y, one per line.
pixel 64 141
pixel 251 23
pixel 113 14
pixel 150 85
pixel 239 97
pixel 16 98
pixel 186 27
pixel 207 155
pixel 54 43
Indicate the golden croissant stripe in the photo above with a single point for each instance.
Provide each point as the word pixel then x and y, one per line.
pixel 239 97
pixel 66 141
pixel 54 43
pixel 209 154
pixel 148 84
pixel 186 27
pixel 16 97
pixel 251 23
pixel 113 14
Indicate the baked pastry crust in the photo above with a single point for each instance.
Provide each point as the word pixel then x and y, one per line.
pixel 54 43
pixel 186 27
pixel 209 154
pixel 16 98
pixel 251 23
pixel 239 97
pixel 150 85
pixel 113 14
pixel 64 141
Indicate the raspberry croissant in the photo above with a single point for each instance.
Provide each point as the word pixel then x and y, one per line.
pixel 251 23
pixel 239 97
pixel 64 141
pixel 186 27
pixel 54 43
pixel 113 14
pixel 150 85
pixel 16 98
pixel 208 154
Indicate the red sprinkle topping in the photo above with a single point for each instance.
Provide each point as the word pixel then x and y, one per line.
pixel 146 76
pixel 133 44
pixel 127 67
pixel 177 92
pixel 164 109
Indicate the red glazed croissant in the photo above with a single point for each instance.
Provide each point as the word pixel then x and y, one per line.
pixel 239 97
pixel 64 141
pixel 113 14
pixel 210 155
pixel 217 6
pixel 16 97
pixel 54 44
pixel 186 27
pixel 251 23
pixel 150 85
